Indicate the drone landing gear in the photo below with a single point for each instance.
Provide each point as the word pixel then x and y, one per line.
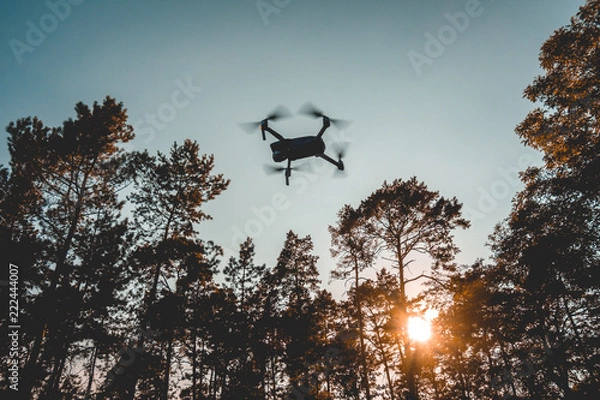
pixel 288 172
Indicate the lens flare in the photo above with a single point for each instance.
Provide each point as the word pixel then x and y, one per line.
pixel 419 329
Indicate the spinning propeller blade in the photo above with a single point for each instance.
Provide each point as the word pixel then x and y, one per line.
pixel 249 127
pixel 340 149
pixel 312 111
pixel 278 113
pixel 274 169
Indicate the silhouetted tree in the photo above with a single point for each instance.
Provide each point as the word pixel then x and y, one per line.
pixel 170 192
pixel 242 274
pixel 356 250
pixel 380 298
pixel 67 178
pixel 523 326
pixel 470 335
pixel 404 218
pixel 245 365
pixel 549 248
pixel 296 283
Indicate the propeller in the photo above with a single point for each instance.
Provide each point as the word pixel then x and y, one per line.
pixel 274 169
pixel 278 113
pixel 340 149
pixel 312 111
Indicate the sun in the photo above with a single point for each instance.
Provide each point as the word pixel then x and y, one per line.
pixel 419 329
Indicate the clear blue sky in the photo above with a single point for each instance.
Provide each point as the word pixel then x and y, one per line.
pixel 442 109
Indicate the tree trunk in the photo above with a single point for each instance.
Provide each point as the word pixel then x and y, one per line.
pixel 409 368
pixel 58 272
pixel 53 388
pixel 165 395
pixel 386 366
pixel 92 369
pixel 361 335
pixel 144 322
pixel 194 364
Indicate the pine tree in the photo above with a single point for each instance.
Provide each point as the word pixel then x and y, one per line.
pixel 404 218
pixel 295 283
pixel 169 194
pixel 67 178
pixel 246 367
pixel 549 247
pixel 356 250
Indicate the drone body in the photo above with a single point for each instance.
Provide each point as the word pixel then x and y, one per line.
pixel 300 147
pixel 295 149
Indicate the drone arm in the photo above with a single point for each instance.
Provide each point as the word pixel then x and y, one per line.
pixel 338 164
pixel 326 124
pixel 264 126
pixel 277 135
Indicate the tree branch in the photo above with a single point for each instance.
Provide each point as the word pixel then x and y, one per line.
pixel 424 275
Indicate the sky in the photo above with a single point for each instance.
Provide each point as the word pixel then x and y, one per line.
pixel 433 89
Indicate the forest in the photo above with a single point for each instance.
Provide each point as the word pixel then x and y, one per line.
pixel 120 296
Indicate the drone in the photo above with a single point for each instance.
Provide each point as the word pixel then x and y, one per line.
pixel 300 147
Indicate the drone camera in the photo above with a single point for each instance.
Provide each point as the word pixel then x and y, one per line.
pixel 279 151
